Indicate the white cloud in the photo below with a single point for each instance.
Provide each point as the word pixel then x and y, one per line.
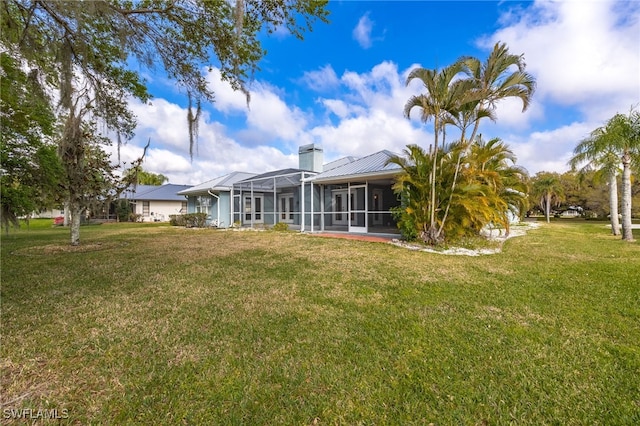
pixel 583 54
pixel 370 115
pixel 548 150
pixel 267 112
pixel 163 122
pixel 271 115
pixel 341 108
pixel 321 80
pixel 227 99
pixel 362 32
pixel 366 134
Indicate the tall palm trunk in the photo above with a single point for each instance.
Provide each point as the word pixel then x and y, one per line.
pixel 432 234
pixel 627 233
pixel 547 206
pixel 613 203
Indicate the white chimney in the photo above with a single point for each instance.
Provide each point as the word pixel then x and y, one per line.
pixel 310 157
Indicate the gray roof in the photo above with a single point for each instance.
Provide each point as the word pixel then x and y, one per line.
pixel 370 166
pixel 277 173
pixel 337 163
pixel 168 192
pixel 221 183
pixel 283 178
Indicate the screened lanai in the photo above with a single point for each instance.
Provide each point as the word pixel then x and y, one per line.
pixel 281 196
pixel 357 196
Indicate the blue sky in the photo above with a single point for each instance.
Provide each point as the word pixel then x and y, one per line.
pixel 343 86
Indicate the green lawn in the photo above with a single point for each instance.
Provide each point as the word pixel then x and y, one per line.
pixel 159 325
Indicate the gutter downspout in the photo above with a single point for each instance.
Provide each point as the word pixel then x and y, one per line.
pixel 218 203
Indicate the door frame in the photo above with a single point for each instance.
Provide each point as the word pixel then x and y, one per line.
pixel 355 209
pixel 344 213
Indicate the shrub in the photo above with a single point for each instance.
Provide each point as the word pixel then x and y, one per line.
pixel 195 220
pixel 190 220
pixel 176 220
pixel 406 223
pixel 123 211
pixel 281 227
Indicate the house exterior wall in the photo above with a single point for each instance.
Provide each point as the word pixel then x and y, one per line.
pixel 159 211
pixel 48 214
pixel 219 208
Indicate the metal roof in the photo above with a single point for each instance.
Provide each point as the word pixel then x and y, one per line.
pixel 276 173
pixel 337 163
pixel 371 165
pixel 282 178
pixel 221 183
pixel 167 192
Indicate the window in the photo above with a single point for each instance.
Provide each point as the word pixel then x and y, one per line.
pixel 145 208
pixel 183 207
pixel 202 204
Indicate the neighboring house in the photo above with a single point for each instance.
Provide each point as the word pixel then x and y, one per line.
pixel 157 203
pixel 214 198
pixel 48 214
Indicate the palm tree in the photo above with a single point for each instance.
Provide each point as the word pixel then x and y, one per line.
pixel 490 187
pixel 597 153
pixel 490 82
pixel 495 159
pixel 464 102
pixel 626 140
pixel 437 104
pixel 548 189
pixel 414 188
pixel 491 166
pixel 495 80
pixel 617 142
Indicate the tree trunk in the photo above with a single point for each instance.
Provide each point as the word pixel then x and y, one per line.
pixel 76 213
pixel 432 236
pixel 627 233
pixel 432 207
pixel 547 206
pixel 613 203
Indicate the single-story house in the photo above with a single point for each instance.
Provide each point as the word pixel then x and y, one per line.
pixel 350 195
pixel 157 203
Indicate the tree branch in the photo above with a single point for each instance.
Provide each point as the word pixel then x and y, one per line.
pixel 126 12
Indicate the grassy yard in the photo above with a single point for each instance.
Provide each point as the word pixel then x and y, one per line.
pixel 158 325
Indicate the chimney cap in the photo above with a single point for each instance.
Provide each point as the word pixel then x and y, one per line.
pixel 309 148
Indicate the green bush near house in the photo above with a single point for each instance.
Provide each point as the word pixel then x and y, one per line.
pixel 123 211
pixel 280 227
pixel 189 220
